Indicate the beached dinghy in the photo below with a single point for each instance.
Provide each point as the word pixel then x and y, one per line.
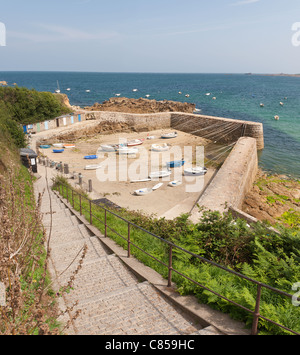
pixel 195 171
pixel 90 157
pixel 109 147
pixel 174 183
pixel 175 164
pixel 58 150
pixel 156 187
pixel 69 146
pixel 159 174
pixel 169 135
pixel 58 145
pixel 92 167
pixel 134 142
pixel 143 192
pixel 45 146
pixel 160 148
pixel 127 150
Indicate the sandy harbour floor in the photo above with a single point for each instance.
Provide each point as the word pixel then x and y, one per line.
pixel 114 179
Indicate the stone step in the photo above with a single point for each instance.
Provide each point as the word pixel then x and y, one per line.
pixel 96 279
pixel 134 310
pixel 64 254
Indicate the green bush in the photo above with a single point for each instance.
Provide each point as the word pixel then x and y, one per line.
pixel 30 106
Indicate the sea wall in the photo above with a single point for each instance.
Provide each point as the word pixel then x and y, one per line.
pixel 219 129
pixel 135 122
pixel 233 181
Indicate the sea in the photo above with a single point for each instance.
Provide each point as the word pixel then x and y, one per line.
pixel 237 96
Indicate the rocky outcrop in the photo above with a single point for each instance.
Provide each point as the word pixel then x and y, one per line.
pixel 272 196
pixel 3 83
pixel 126 105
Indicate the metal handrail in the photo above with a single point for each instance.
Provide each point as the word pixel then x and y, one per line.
pixel 256 313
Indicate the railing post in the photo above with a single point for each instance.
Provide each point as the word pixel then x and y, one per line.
pixel 67 193
pixel 91 220
pixel 80 204
pixel 72 198
pixel 170 266
pixel 128 242
pixel 256 313
pixel 105 224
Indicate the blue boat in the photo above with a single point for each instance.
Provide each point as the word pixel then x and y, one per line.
pixel 58 150
pixel 175 164
pixel 91 157
pixel 45 146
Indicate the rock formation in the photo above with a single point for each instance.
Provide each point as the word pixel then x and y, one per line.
pixel 123 104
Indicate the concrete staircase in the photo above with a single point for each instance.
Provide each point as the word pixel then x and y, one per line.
pixel 112 300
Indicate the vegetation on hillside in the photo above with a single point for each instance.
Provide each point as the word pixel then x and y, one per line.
pixel 30 106
pixel 258 253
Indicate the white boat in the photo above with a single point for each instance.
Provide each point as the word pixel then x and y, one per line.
pixel 159 174
pixel 276 118
pixel 58 89
pixel 92 167
pixel 127 150
pixel 142 180
pixel 169 135
pixel 135 90
pixel 147 96
pixel 195 171
pixel 157 186
pixel 58 145
pixel 87 90
pixel 109 147
pixel 174 183
pixel 134 142
pixel 150 137
pixel 160 148
pixel 143 192
pixel 68 89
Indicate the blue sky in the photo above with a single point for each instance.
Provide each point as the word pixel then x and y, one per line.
pixel 186 36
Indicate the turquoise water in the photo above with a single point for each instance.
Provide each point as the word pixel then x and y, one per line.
pixel 237 96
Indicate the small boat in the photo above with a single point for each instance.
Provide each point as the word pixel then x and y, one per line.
pixel 58 145
pixel 92 167
pixel 45 146
pixel 187 95
pixel 207 94
pixel 169 135
pixel 109 147
pixel 143 192
pixel 91 157
pixel 150 137
pixel 68 89
pixel 87 90
pixel 58 150
pixel 276 118
pixel 134 142
pixel 69 146
pixel 175 164
pixel 57 91
pixel 281 103
pixel 135 90
pixel 157 186
pixel 179 92
pixel 127 150
pixel 262 105
pixel 195 171
pixel 117 94
pixel 174 183
pixel 143 180
pixel 160 148
pixel 159 174
pixel 197 110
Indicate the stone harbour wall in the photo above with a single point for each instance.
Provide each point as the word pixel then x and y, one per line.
pixel 233 181
pixel 219 129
